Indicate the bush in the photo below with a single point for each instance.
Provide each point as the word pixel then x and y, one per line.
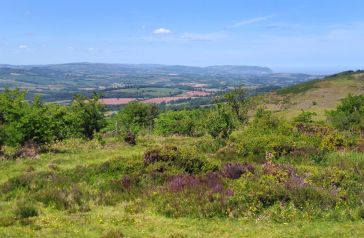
pixel 305 117
pixel 136 116
pixel 179 123
pixel 88 115
pixel 194 196
pixel 221 122
pixel 349 115
pixel 236 170
pixel 130 138
pixel 185 159
pixel 25 210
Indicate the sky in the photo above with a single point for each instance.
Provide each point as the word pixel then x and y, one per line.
pixel 317 36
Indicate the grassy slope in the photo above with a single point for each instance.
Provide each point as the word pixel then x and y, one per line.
pixel 100 219
pixel 315 96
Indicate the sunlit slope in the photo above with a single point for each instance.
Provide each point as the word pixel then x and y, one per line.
pixel 315 96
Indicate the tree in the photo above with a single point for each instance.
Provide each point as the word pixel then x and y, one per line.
pixel 136 116
pixel 221 121
pixel 349 114
pixel 239 102
pixel 88 115
pixel 184 122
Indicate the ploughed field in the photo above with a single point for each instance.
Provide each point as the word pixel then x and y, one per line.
pixel 157 100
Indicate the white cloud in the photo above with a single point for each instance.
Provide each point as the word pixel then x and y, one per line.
pixel 70 47
pixel 249 21
pixel 22 46
pixel 162 30
pixel 91 49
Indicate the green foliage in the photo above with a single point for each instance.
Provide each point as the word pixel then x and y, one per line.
pixel 21 122
pixel 184 159
pixel 220 122
pixel 349 115
pixel 299 88
pixel 184 122
pixel 88 115
pixel 239 102
pixel 305 117
pixel 136 116
pixel 25 210
pixel 266 134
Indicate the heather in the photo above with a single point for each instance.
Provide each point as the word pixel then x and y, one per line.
pixel 150 172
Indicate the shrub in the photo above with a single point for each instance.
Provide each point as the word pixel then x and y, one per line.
pixel 183 158
pixel 195 196
pixel 136 116
pixel 25 210
pixel 184 122
pixel 349 115
pixel 220 122
pixel 305 117
pixel 130 138
pixel 88 115
pixel 235 170
pixel 166 153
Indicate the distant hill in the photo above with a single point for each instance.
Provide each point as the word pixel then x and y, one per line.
pixel 58 82
pixel 145 68
pixel 316 95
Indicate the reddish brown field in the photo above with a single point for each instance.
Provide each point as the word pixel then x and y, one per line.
pixel 116 101
pixel 197 93
pixel 163 99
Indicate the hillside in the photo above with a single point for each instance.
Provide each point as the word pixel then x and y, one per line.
pixel 220 171
pixel 315 96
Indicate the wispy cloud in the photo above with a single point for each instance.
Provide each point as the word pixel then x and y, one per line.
pixel 249 21
pixel 23 46
pixel 161 31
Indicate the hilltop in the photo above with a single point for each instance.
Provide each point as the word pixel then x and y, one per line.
pixel 316 95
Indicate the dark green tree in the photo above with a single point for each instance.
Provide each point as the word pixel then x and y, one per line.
pixel 136 116
pixel 88 115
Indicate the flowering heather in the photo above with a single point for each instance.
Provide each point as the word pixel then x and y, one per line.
pixel 154 155
pixel 235 170
pixel 210 183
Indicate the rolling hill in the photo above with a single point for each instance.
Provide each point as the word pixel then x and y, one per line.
pixel 315 96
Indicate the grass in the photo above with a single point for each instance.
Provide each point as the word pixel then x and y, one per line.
pixel 144 222
pixel 103 219
pixel 315 96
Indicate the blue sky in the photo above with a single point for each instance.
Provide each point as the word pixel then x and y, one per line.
pixel 287 35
